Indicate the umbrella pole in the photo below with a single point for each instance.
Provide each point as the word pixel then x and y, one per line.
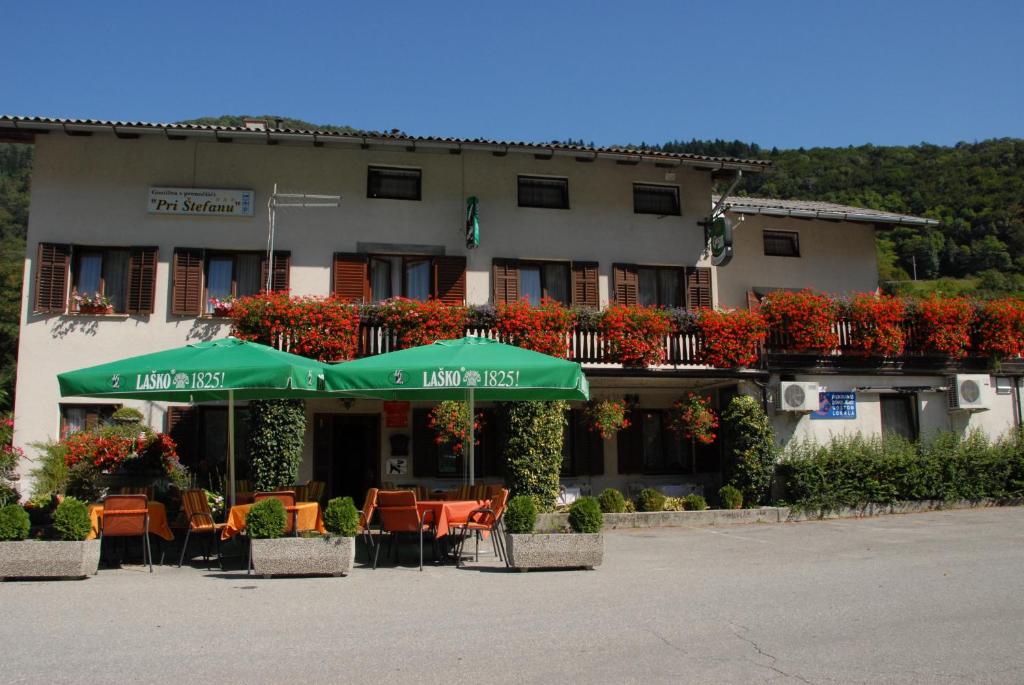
pixel 472 436
pixel 231 448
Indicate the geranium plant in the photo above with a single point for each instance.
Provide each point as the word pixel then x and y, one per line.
pixel 634 335
pixel 91 303
pixel 415 323
pixel 693 418
pixel 801 321
pixel 222 306
pixel 544 329
pixel 326 329
pixel 110 451
pixel 606 417
pixel 731 338
pixel 943 325
pixel 1001 327
pixel 450 423
pixel 877 325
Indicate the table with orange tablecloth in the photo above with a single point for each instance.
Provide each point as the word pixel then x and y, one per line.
pixel 448 512
pixel 309 515
pixel 157 520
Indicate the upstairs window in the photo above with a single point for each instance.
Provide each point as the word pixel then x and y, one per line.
pixel 655 199
pixel 197 275
pixel 781 244
pixel 544 192
pixel 79 417
pixel 126 276
pixel 102 272
pixel 393 184
pixel 659 286
pixel 232 275
pixel 539 280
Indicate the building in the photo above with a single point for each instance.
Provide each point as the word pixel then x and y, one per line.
pixel 162 218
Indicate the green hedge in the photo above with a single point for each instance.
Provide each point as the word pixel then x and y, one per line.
pixel 730 497
pixel 520 515
pixel 277 431
pixel 851 471
pixel 585 515
pixel 612 501
pixel 533 434
pixel 71 519
pixel 266 519
pixel 750 452
pixel 650 499
pixel 14 523
pixel 341 517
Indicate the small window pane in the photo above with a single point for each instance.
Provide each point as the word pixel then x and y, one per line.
pixel 648 287
pixel 380 279
pixel 782 243
pixel 218 279
pixel 248 276
pixel 115 277
pixel 417 280
pixel 90 270
pixel 395 184
pixel 551 193
pixel 655 199
pixel 74 419
pixel 529 284
pixel 556 282
pixel 668 288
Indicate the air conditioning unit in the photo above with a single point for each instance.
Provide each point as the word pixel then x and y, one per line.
pixel 794 396
pixel 969 392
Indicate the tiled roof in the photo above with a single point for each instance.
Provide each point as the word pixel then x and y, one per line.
pixel 130 128
pixel 813 209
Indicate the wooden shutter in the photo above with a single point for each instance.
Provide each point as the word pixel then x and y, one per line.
pixel 753 301
pixel 584 284
pixel 627 283
pixel 631 445
pixel 53 266
pixel 352 277
pixel 282 269
pixel 450 279
pixel 505 275
pixel 698 287
pixel 141 280
pixel 187 288
pixel 424 449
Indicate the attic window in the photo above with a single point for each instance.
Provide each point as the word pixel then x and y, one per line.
pixel 655 199
pixel 781 244
pixel 544 192
pixel 394 184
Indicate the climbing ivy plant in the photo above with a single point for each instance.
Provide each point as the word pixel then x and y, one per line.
pixel 277 430
pixel 533 448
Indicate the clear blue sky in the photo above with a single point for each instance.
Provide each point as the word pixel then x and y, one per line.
pixel 773 72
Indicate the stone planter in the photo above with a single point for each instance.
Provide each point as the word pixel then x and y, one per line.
pixel 554 550
pixel 49 559
pixel 290 556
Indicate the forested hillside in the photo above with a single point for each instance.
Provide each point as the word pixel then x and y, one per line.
pixel 976 190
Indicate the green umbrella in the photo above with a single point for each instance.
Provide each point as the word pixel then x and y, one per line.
pixel 227 369
pixel 467 369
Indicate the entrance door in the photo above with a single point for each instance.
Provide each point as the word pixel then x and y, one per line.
pixel 347 454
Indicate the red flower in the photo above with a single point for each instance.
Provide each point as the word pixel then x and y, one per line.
pixel 877 325
pixel 803 321
pixel 731 338
pixel 635 336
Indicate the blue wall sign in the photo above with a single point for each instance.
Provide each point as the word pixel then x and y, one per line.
pixel 836 405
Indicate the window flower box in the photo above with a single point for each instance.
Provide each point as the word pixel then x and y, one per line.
pixel 96 303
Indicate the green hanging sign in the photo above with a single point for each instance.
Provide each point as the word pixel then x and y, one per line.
pixel 472 222
pixel 721 241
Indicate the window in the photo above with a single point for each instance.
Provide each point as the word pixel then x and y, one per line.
pixel 660 286
pixel 648 446
pixel 540 191
pixel 571 283
pixel 102 272
pixel 124 275
pixel 655 199
pixel 394 184
pixel 363 278
pixel 199 275
pixel 899 414
pixel 430 460
pixel 582 448
pixel 232 275
pixel 202 437
pixel 76 417
pixel 781 243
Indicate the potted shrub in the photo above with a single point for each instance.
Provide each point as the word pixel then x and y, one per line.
pixel 650 499
pixel 612 501
pixel 582 548
pixel 311 554
pixel 70 556
pixel 730 497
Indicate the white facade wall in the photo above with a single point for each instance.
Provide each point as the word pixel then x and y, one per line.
pixel 836 257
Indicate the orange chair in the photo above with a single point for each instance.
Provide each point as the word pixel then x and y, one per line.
pixel 127 516
pixel 366 515
pixel 301 493
pixel 287 498
pixel 147 490
pixel 200 522
pixel 399 515
pixel 485 519
pixel 478 491
pixel 493 490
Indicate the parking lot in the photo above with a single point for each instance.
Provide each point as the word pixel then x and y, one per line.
pixel 925 598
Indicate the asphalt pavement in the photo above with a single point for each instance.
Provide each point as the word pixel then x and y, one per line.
pixel 921 598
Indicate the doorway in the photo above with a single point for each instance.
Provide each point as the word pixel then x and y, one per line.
pixel 347 454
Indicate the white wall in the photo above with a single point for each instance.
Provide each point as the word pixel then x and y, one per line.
pixel 836 257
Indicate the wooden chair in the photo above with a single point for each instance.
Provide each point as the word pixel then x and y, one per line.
pixel 366 515
pixel 127 516
pixel 493 490
pixel 485 519
pixel 478 491
pixel 200 522
pixel 315 490
pixel 243 492
pixel 301 493
pixel 399 515
pixel 148 490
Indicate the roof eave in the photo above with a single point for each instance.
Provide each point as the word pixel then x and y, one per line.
pixel 836 216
